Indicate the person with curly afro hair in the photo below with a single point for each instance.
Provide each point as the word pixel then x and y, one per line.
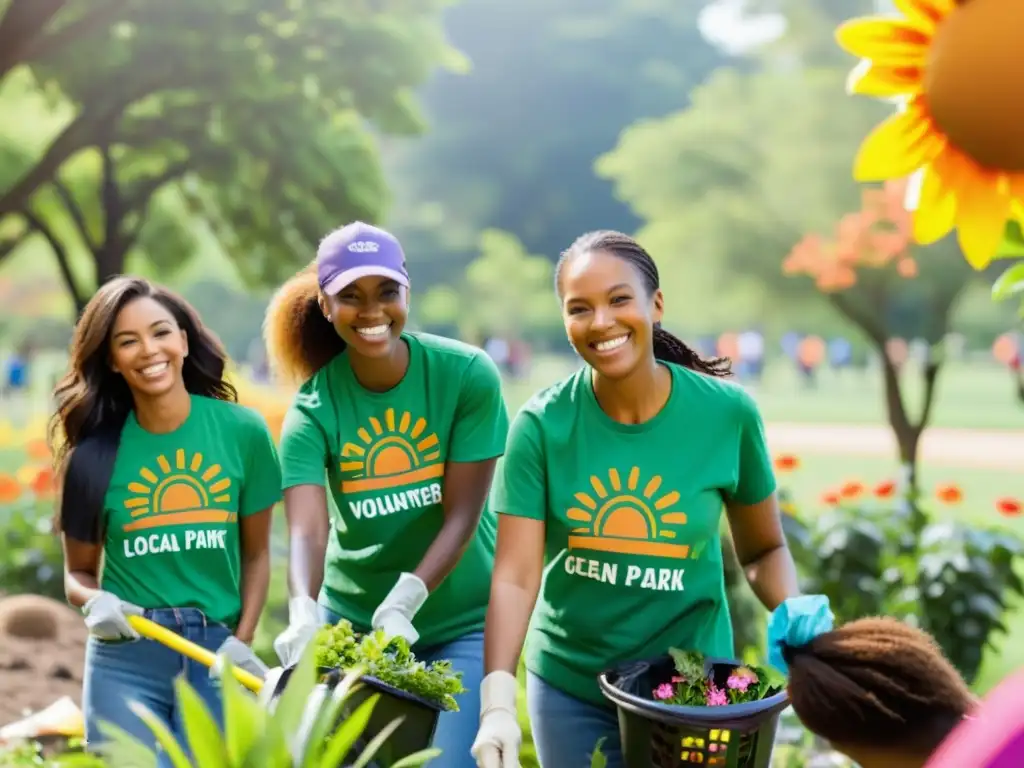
pixel 880 691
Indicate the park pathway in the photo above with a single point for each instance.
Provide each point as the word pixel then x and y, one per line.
pixel 988 449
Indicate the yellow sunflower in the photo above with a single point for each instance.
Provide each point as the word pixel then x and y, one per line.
pixel 959 131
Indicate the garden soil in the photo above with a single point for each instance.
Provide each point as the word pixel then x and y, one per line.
pixel 42 651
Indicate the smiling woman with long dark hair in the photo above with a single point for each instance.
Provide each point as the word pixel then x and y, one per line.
pixel 168 483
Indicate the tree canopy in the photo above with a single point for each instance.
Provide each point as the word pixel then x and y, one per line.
pixel 259 115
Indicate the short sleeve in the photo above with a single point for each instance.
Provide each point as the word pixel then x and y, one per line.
pixel 262 487
pixel 481 419
pixel 303 447
pixel 755 477
pixel 521 485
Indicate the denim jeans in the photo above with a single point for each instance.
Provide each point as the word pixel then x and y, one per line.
pixel 456 731
pixel 566 729
pixel 143 670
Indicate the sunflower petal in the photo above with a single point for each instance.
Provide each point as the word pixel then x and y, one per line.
pixel 981 215
pixel 925 13
pixel 870 79
pixel 890 42
pixel 897 147
pixel 936 209
pixel 936 10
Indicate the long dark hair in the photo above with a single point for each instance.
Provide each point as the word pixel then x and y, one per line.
pixel 666 346
pixel 93 401
pixel 877 682
pixel 300 340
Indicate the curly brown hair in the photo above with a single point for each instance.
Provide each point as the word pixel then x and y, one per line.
pixel 877 683
pixel 300 340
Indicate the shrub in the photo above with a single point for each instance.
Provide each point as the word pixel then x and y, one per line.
pixel 881 554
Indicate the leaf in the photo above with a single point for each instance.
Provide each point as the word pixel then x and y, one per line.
pixel 327 717
pixel 204 737
pixel 244 719
pixel 417 758
pixel 348 732
pixel 597 759
pixel 1010 283
pixel 124 749
pixel 289 707
pixel 163 734
pixel 377 742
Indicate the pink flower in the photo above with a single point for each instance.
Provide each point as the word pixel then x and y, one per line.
pixel 738 683
pixel 664 691
pixel 678 679
pixel 716 697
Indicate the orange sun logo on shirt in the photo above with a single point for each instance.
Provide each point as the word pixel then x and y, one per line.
pixel 178 494
pixel 400 451
pixel 627 518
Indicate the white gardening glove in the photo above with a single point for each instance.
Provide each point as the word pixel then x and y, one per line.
pixel 395 614
pixel 498 738
pixel 303 623
pixel 106 617
pixel 239 655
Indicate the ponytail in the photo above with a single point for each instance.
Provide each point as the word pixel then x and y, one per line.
pixel 674 350
pixel 300 340
pixel 876 682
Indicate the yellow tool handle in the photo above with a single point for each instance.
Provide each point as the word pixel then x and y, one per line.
pixel 176 642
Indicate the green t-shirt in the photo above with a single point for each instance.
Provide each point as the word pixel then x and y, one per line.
pixel 384 455
pixel 171 510
pixel 633 563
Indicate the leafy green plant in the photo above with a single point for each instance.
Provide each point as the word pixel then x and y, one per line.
pixel 309 726
pixel 391 662
pixel 30 554
pixel 33 755
pixel 886 556
pixel 693 685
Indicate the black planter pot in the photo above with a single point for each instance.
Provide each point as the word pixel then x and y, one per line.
pixel 659 735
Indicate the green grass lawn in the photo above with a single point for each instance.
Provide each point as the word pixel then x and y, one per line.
pixel 976 396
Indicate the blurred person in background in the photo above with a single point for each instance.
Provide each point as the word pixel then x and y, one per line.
pixel 402 430
pixel 610 501
pixel 169 483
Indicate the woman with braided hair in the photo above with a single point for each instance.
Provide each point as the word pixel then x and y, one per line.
pixel 610 501
pixel 879 691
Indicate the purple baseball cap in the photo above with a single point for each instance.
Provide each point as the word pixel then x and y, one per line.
pixel 357 250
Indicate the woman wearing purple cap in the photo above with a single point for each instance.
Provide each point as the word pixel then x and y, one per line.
pixel 404 429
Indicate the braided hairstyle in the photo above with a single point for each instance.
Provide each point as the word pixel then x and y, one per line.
pixel 877 683
pixel 300 340
pixel 666 346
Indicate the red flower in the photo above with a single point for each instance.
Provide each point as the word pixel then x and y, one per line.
pixel 787 462
pixel 851 489
pixel 831 498
pixel 1009 507
pixel 885 490
pixel 949 494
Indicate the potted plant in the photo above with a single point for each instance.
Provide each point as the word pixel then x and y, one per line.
pixel 686 709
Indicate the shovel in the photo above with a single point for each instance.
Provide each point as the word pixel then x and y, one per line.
pixel 263 687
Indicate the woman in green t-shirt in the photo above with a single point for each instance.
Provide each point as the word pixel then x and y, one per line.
pixel 609 502
pixel 398 434
pixel 168 486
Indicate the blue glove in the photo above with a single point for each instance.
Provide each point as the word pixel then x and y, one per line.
pixel 797 621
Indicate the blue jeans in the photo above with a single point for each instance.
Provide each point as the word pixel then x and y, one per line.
pixel 566 729
pixel 144 670
pixel 456 731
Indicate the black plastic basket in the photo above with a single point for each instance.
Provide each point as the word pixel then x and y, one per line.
pixel 659 735
pixel 419 716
